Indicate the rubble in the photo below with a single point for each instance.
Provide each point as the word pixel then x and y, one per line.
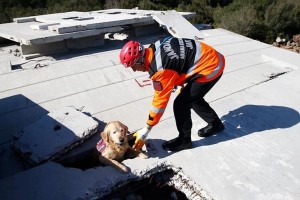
pixel 54 134
pixel 292 45
pixel 162 181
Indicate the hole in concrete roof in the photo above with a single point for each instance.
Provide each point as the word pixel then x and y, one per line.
pixel 16 67
pixel 157 186
pixel 87 159
pixel 84 160
pixel 163 183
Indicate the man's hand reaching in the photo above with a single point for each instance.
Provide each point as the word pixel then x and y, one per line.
pixel 141 136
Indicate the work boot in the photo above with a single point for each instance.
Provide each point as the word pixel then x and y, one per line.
pixel 177 144
pixel 211 129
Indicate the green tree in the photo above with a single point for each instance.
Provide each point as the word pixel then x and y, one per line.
pixel 126 4
pixel 202 9
pixel 244 17
pixel 283 18
pixel 240 20
pixel 149 5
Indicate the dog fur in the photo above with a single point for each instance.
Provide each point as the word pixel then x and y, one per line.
pixel 115 138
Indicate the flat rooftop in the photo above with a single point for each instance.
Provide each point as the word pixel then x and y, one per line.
pixel 257 98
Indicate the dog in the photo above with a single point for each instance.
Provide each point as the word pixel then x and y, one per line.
pixel 114 146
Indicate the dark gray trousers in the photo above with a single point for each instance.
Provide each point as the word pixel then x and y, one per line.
pixel 192 97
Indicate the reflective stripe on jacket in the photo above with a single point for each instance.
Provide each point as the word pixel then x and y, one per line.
pixel 177 61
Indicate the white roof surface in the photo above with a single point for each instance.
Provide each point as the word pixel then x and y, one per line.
pixel 256 157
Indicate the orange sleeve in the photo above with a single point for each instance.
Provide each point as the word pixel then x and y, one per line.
pixel 163 83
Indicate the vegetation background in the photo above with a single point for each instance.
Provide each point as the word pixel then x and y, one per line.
pixel 262 20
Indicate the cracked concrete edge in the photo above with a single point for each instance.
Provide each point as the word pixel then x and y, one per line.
pixel 180 181
pixel 189 187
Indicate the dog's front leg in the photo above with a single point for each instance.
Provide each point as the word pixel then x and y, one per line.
pixel 114 163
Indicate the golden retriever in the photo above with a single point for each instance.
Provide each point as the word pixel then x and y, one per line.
pixel 114 146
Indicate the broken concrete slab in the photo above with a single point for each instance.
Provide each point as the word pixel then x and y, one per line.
pixel 58 27
pixel 177 25
pixel 53 135
pixel 104 21
pixel 254 158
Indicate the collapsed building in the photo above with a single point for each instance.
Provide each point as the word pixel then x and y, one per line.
pixel 61 82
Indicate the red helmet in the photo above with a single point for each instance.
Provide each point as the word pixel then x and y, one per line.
pixel 131 52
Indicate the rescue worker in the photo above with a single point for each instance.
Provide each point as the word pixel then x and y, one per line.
pixel 177 62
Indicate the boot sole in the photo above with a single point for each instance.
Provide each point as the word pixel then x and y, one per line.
pixel 210 134
pixel 189 146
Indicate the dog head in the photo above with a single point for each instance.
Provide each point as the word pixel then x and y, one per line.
pixel 115 132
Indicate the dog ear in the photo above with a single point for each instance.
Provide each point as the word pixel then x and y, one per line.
pixel 105 133
pixel 125 128
pixel 105 137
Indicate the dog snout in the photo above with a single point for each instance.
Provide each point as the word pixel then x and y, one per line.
pixel 122 140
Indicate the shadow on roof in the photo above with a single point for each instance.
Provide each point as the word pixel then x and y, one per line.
pixel 249 119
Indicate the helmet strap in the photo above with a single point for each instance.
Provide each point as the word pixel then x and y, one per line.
pixel 141 61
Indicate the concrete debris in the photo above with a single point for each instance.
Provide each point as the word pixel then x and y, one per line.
pixel 177 25
pixel 181 182
pixel 54 134
pixel 116 36
pixel 15 52
pixel 162 175
pixel 292 45
pixel 62 32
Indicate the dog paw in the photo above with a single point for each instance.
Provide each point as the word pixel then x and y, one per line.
pixel 125 169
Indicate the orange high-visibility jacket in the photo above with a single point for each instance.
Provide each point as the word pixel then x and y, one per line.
pixel 177 61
